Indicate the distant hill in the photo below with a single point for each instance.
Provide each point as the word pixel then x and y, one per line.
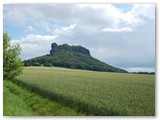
pixel 76 57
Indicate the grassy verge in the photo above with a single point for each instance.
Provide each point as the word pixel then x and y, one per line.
pixel 13 105
pixel 20 102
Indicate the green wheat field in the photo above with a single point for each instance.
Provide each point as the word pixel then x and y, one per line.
pixel 81 92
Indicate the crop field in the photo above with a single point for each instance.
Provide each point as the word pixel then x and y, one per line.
pixel 20 102
pixel 94 93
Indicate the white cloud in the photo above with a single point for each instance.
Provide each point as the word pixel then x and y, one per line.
pixel 65 29
pixel 91 14
pixel 145 10
pixel 15 13
pixel 125 29
pixel 123 39
pixel 37 38
pixel 34 45
pixel 30 29
pixel 140 69
pixel 104 14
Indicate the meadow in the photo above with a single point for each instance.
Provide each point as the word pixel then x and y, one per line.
pixel 93 93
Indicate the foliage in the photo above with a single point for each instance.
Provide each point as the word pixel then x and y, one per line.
pixel 21 102
pixel 36 64
pixel 95 93
pixel 74 60
pixel 12 64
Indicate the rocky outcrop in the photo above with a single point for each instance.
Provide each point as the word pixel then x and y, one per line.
pixel 54 48
pixel 65 47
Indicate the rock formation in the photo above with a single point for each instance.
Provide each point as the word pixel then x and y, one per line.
pixel 54 48
pixel 65 47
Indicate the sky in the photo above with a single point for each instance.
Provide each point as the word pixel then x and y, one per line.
pixel 122 35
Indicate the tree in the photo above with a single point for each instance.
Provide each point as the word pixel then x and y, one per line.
pixel 12 64
pixel 36 64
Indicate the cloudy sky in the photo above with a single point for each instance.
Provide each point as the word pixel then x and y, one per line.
pixel 122 35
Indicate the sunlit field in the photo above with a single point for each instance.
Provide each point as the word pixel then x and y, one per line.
pixel 94 93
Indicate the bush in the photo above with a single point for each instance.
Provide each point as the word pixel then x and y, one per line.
pixel 12 64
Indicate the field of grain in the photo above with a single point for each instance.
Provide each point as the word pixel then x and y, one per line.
pixel 94 93
pixel 18 101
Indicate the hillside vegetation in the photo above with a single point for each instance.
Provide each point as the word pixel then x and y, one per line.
pixel 94 93
pixel 75 57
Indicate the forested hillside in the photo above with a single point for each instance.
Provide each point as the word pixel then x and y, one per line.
pixel 76 57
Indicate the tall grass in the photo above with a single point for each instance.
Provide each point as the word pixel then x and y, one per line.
pixel 94 93
pixel 20 102
pixel 13 105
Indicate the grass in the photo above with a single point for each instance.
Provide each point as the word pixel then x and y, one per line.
pixel 94 93
pixel 20 102
pixel 13 105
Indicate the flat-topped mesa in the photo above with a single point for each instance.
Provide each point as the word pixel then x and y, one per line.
pixel 65 47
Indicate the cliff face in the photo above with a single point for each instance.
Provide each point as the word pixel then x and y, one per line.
pixel 65 47
pixel 54 48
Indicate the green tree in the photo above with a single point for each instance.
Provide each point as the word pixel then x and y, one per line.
pixel 12 64
pixel 36 64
